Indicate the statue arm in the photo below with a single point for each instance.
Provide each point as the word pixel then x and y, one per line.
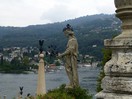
pixel 70 49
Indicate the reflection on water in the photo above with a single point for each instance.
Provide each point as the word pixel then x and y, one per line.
pixel 10 83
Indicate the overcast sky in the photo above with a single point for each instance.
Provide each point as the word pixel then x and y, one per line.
pixel 32 12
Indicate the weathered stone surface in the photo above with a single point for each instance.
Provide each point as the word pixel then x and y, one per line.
pixel 118 43
pixel 104 95
pixel 121 63
pixel 123 3
pixel 124 13
pixel 117 84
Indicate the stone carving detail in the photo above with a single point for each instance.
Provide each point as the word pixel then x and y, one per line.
pixel 117 84
pixel 118 42
pixel 121 62
pixel 123 3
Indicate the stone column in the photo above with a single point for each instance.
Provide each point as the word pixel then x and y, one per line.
pixel 117 83
pixel 4 96
pixel 41 88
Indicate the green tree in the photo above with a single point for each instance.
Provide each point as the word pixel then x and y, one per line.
pixel 57 63
pixel 5 66
pixel 25 62
pixel 106 57
pixel 15 64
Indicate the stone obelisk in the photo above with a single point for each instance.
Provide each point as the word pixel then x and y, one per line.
pixel 41 88
pixel 117 83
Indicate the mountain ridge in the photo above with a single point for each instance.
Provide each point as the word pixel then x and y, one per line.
pixel 89 30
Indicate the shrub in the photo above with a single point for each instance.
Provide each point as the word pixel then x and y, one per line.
pixel 106 57
pixel 66 93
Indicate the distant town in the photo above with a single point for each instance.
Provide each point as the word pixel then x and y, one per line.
pixel 27 59
pixel 9 54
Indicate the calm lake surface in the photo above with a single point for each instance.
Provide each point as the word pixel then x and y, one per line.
pixel 10 83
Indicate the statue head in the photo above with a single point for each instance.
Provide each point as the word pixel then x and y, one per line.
pixel 68 30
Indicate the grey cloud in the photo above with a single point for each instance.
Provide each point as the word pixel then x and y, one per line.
pixel 63 1
pixel 59 13
pixel 11 1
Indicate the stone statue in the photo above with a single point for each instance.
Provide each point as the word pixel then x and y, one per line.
pixel 70 57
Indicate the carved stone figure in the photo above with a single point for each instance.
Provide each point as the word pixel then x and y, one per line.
pixel 70 57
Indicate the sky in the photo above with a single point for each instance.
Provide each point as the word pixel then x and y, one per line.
pixel 31 12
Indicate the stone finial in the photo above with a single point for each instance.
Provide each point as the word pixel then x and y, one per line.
pixel 124 13
pixel 41 56
pixel 123 3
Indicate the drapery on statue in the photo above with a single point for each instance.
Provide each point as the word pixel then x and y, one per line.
pixel 70 57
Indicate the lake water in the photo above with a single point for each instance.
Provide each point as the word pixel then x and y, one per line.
pixel 10 83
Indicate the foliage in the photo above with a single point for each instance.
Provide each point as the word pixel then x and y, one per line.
pixel 66 93
pixel 15 66
pixel 55 95
pixel 107 56
pixel 57 63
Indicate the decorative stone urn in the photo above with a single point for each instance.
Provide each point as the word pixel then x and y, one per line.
pixel 117 83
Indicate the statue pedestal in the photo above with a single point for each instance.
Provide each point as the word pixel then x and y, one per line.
pixel 103 95
pixel 41 88
pixel 117 83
